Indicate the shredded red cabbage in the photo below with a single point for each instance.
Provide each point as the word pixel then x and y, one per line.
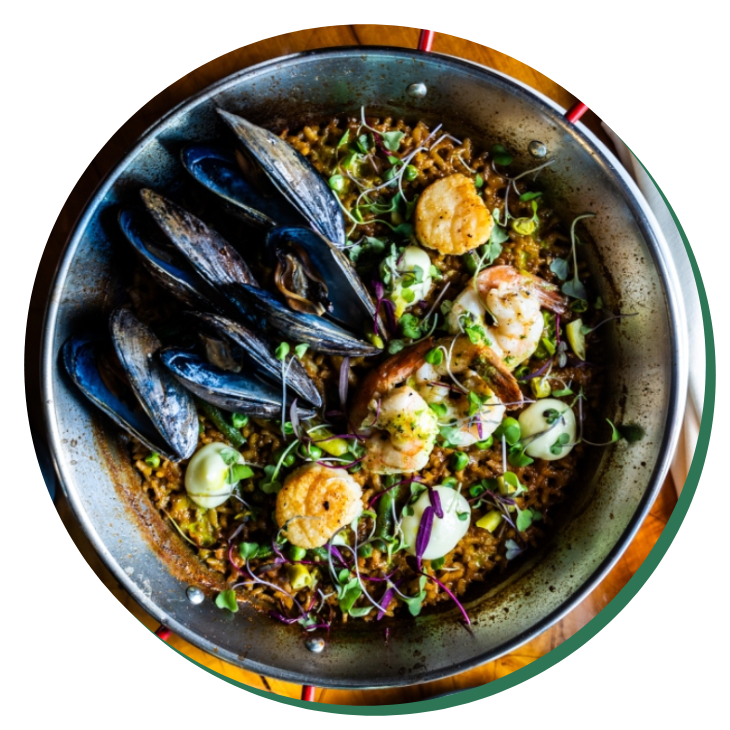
pixel 424 533
pixel 452 596
pixel 344 382
pixel 436 503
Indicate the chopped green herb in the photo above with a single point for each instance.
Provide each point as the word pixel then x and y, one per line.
pixel 338 183
pixel 239 420
pixel 153 460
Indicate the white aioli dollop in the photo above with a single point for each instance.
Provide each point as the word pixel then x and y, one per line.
pixel 412 257
pixel 206 478
pixel 536 419
pixel 446 531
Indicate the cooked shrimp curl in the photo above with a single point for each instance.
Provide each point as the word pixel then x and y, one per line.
pixel 452 217
pixel 315 502
pixel 392 407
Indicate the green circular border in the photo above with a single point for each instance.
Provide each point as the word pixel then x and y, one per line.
pixel 610 611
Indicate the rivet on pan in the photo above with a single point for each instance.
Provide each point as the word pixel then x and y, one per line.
pixel 315 645
pixel 195 595
pixel 537 149
pixel 417 90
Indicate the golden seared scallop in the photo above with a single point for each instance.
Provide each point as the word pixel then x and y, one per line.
pixel 315 502
pixel 451 216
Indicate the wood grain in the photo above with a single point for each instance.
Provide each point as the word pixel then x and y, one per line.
pixel 114 150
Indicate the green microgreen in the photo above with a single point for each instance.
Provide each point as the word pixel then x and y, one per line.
pixel 434 356
pixel 282 351
pixel 500 155
pixel 248 550
pixel 227 600
pixel 410 326
pixel 574 287
pixel 439 409
pixel 510 429
pixel 391 140
pixel 479 181
pixel 300 349
pixel 344 139
pixel 395 346
pixel 561 268
pixel 562 441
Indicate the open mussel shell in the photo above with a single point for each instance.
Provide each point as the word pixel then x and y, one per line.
pixel 258 353
pixel 161 262
pixel 317 332
pixel 80 358
pixel 349 301
pixel 212 257
pixel 168 405
pixel 292 175
pixel 218 171
pixel 231 391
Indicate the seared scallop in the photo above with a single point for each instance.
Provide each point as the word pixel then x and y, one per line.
pixel 451 217
pixel 315 502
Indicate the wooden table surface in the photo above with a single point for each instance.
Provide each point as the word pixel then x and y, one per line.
pixel 110 155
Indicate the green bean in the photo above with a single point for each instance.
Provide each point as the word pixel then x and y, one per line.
pixel 220 422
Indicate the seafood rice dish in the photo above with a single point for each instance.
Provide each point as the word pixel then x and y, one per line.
pixel 359 368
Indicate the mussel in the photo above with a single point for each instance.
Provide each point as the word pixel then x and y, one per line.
pixel 232 391
pixel 316 277
pixel 293 176
pixel 145 401
pixel 220 333
pixel 219 172
pixel 162 264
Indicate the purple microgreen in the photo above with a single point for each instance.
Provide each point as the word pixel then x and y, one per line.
pixel 451 595
pixel 424 533
pixel 387 597
pixel 586 330
pixel 513 549
pixel 537 373
pixel 433 495
pixel 323 462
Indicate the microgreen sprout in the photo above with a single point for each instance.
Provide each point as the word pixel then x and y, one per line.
pixel 574 288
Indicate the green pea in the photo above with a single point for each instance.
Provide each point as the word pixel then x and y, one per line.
pixel 410 173
pixel 297 553
pixel 288 460
pixel 239 420
pixel 310 451
pixel 365 551
pixel 337 183
pixel 459 461
pixel 451 482
pixel 487 443
pixel 153 460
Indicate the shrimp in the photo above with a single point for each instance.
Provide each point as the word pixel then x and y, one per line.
pixel 315 502
pixel 393 405
pixel 514 300
pixel 451 217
